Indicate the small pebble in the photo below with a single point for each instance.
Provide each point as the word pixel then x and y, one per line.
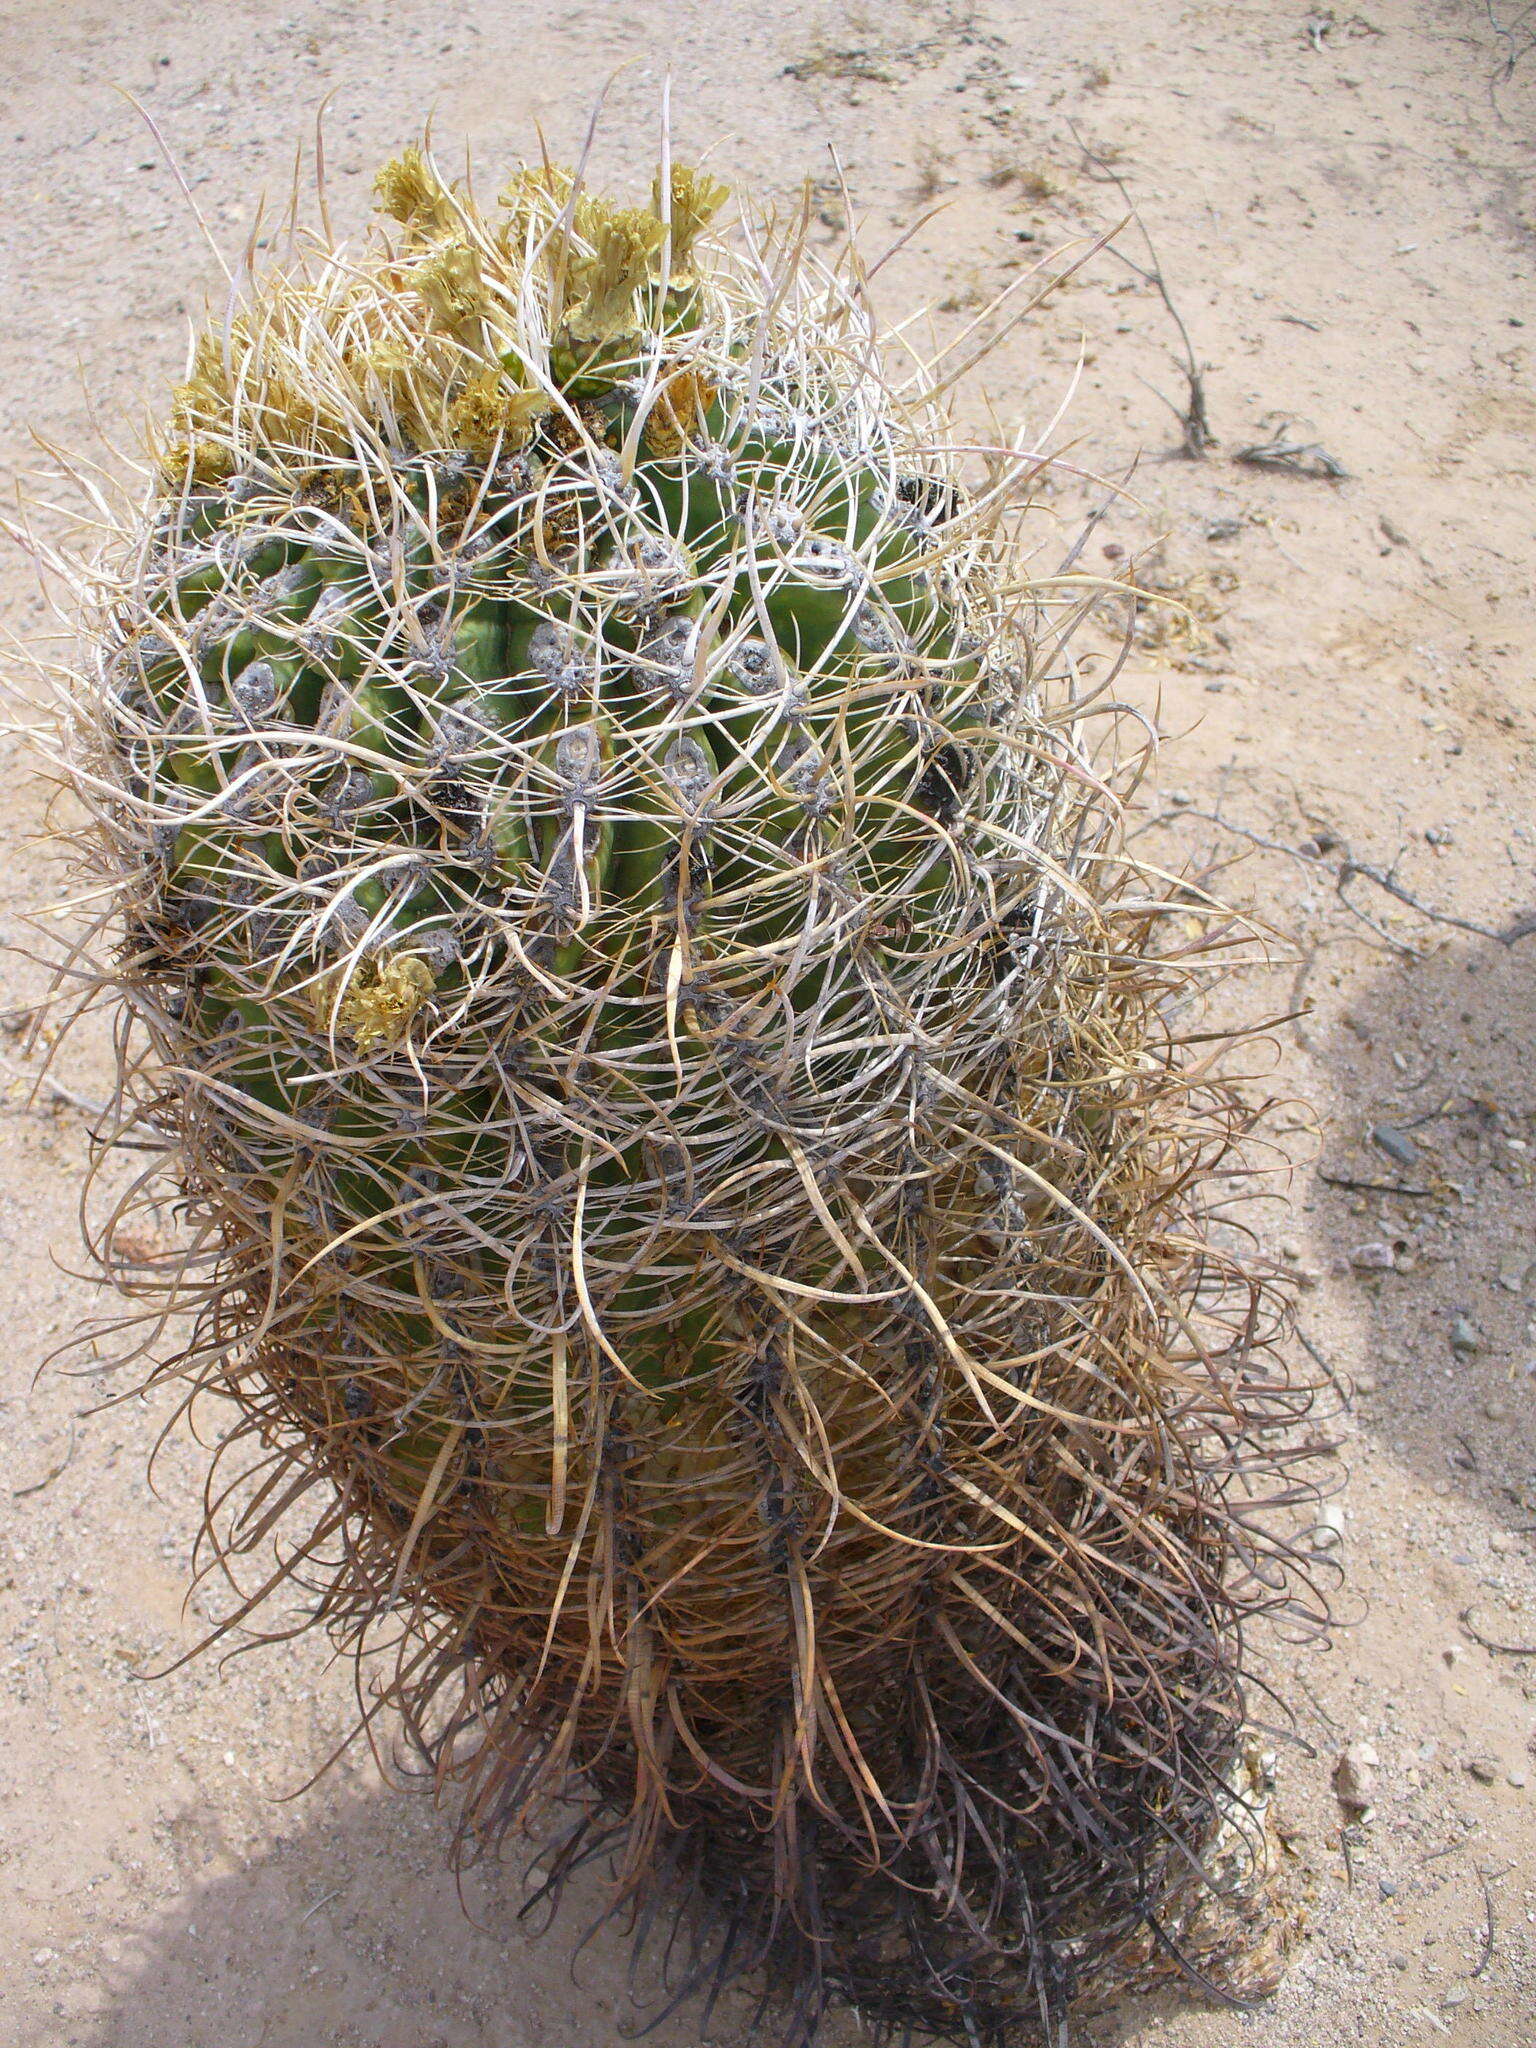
pixel 1397 1145
pixel 1519 1777
pixel 1373 1258
pixel 1455 1994
pixel 1354 1777
pixel 1387 1886
pixel 1466 1337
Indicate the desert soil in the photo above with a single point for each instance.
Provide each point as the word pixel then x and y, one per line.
pixel 1343 210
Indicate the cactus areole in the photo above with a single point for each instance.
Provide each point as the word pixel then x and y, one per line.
pixel 671 1080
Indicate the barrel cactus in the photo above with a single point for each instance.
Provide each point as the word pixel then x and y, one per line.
pixel 626 959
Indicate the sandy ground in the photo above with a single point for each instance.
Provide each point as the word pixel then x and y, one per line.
pixel 1344 211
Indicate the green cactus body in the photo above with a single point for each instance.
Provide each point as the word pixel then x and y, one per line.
pixel 695 1141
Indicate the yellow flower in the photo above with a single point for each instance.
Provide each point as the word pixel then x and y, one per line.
pixel 379 1010
pixel 537 193
pixel 205 461
pixel 205 396
pixel 452 286
pixel 489 408
pixel 696 199
pixel 682 401
pixel 625 240
pixel 411 192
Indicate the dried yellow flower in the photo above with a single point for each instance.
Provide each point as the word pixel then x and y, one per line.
pixel 678 415
pixel 388 360
pixel 205 396
pixel 205 461
pixel 393 372
pixel 379 1010
pixel 451 283
pixel 489 409
pixel 696 199
pixel 624 242
pixel 411 192
pixel 537 192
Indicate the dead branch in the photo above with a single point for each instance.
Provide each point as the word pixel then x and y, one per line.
pixel 1347 868
pixel 1486 1643
pixel 1522 927
pixel 1518 35
pixel 1487 1955
pixel 1375 1187
pixel 1193 417
pixel 1296 458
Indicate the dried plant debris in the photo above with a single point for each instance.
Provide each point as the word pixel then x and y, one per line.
pixel 1296 458
pixel 695 1147
pixel 1197 438
pixel 868 45
pixel 1177 612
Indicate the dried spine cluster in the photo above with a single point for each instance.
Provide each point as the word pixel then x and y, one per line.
pixel 626 957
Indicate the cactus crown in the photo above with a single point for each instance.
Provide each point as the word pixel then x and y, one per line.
pixel 645 1003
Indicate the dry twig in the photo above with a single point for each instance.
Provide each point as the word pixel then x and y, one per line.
pixel 1296 458
pixel 55 1472
pixel 1518 35
pixel 1487 1955
pixel 1193 417
pixel 1374 1187
pixel 1486 1643
pixel 1346 869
